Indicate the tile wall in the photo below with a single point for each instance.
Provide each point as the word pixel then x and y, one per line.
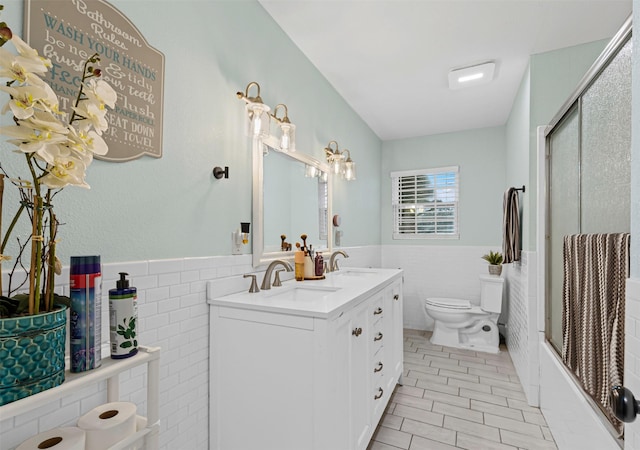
pixel 632 357
pixel 174 315
pixel 428 273
pixel 520 317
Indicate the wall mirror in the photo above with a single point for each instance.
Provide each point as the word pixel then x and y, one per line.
pixel 291 197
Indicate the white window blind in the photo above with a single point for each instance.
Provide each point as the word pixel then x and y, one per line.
pixel 425 203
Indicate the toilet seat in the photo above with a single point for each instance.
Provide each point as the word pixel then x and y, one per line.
pixel 449 303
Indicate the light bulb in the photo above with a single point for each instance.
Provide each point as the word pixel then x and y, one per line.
pixel 350 170
pixel 337 164
pixel 259 119
pixel 288 139
pixel 285 140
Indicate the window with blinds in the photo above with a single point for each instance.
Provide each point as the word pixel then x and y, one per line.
pixel 425 203
pixel 323 208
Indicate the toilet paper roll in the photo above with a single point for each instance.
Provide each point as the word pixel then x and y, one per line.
pixel 108 424
pixel 67 438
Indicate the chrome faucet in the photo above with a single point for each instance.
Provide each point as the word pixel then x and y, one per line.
pixel 333 262
pixel 266 281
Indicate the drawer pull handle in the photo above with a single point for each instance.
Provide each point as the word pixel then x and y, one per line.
pixel 377 311
pixel 379 368
pixel 357 332
pixel 396 297
pixel 378 337
pixel 379 394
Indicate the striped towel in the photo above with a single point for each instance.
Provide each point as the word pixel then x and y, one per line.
pixel 511 226
pixel 596 267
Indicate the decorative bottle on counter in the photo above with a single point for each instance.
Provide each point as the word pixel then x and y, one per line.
pixel 319 265
pixel 123 316
pixel 299 265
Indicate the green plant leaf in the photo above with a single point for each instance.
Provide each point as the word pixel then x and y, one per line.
pixel 126 344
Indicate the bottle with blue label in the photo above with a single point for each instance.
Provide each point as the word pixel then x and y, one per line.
pixel 123 317
pixel 85 313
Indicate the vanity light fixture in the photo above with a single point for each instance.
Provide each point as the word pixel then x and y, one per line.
pixel 339 163
pixel 257 112
pixel 471 76
pixel 287 130
pixel 349 171
pixel 334 157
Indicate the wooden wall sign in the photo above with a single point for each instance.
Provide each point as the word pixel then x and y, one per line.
pixel 70 31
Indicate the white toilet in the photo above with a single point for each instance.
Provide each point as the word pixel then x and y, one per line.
pixel 461 324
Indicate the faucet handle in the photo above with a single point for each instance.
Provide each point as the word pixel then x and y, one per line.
pixel 276 281
pixel 254 284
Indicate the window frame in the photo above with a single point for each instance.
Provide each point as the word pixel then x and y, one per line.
pixel 395 203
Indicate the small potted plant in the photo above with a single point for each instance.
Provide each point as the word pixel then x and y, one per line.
pixel 495 262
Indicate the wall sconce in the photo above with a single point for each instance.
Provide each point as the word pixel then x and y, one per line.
pixel 340 163
pixel 287 130
pixel 259 126
pixel 257 112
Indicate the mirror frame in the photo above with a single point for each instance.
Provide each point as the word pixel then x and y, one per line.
pixel 260 257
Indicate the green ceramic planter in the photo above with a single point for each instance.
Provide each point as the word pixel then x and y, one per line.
pixel 31 354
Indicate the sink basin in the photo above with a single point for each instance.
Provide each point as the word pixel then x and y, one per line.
pixel 299 293
pixel 354 273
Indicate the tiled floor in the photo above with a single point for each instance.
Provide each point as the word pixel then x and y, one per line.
pixel 453 398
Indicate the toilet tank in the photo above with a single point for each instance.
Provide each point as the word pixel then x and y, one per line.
pixel 491 293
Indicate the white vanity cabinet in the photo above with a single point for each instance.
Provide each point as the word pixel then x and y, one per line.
pixel 283 379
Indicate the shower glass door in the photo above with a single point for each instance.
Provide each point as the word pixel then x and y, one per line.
pixel 589 171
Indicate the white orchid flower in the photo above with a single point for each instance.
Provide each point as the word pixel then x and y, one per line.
pixel 92 116
pixel 31 54
pixel 20 69
pixel 101 92
pixel 40 134
pixel 65 171
pixel 26 99
pixel 87 143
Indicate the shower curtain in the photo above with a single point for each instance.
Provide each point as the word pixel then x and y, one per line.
pixel 596 267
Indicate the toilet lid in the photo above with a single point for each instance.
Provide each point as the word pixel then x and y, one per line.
pixel 453 303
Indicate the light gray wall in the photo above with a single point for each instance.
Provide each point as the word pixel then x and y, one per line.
pixel 173 207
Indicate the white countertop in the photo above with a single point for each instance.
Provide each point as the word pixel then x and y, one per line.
pixel 310 298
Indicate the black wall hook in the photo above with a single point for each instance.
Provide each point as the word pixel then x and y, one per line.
pixel 219 172
pixel 623 404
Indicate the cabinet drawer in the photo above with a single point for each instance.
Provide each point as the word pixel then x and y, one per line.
pixel 377 308
pixel 377 339
pixel 377 366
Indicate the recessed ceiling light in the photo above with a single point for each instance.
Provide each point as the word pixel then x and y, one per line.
pixel 471 76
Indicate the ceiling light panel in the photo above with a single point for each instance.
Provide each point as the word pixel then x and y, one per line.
pixel 471 76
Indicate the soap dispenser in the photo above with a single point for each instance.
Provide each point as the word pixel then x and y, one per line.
pixel 123 318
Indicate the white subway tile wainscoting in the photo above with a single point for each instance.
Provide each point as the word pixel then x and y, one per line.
pixel 173 314
pixel 453 398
